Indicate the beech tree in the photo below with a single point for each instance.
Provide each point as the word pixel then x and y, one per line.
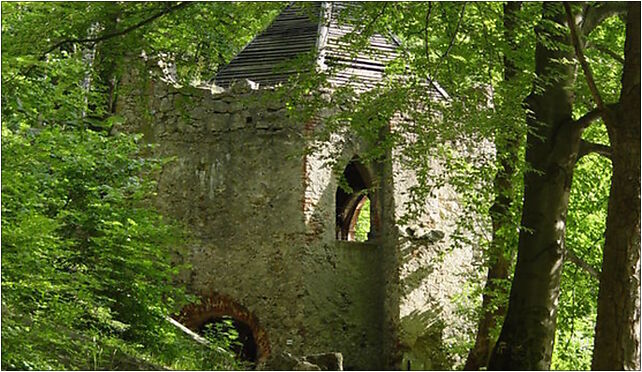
pixel 617 337
pixel 553 145
pixel 507 144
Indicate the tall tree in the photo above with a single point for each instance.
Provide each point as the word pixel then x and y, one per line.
pixel 526 339
pixel 553 146
pixel 507 142
pixel 617 338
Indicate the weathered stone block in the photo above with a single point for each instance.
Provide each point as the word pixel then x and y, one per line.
pixel 281 362
pixel 234 107
pixel 199 113
pixel 262 124
pixel 236 121
pixel 218 122
pixel 243 86
pixel 306 366
pixel 165 104
pixel 181 126
pixel 219 106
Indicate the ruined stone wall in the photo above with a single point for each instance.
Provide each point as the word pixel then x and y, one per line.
pixel 236 182
pixel 345 299
pixel 263 219
pixel 433 273
pixel 262 216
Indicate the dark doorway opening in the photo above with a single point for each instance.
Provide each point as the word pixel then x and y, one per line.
pixel 233 334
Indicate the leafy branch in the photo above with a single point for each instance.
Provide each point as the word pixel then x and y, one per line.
pixel 606 51
pixel 593 15
pixel 580 56
pixel 427 22
pixel 452 39
pixel 109 35
pixel 117 33
pixel 578 262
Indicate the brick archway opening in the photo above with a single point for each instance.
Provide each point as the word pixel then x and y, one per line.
pixel 221 309
pixel 244 345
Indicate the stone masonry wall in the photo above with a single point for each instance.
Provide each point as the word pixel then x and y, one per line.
pixel 433 271
pixel 263 220
pixel 236 182
pixel 262 216
pixel 344 296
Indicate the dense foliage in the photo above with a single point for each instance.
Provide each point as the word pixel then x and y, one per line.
pixel 88 267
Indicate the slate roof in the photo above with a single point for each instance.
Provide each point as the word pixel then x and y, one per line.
pixel 313 28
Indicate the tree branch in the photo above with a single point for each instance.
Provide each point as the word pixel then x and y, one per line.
pixel 194 336
pixel 426 29
pixel 587 147
pixel 376 17
pixel 595 14
pixel 607 51
pixel 452 40
pixel 570 256
pixel 580 56
pixel 584 121
pixel 117 33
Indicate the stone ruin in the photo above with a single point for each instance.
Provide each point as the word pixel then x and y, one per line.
pixel 273 245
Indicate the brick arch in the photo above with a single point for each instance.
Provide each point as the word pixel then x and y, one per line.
pixel 215 305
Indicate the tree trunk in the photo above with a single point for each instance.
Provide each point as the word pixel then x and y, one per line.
pixel 617 338
pixel 507 145
pixel 528 333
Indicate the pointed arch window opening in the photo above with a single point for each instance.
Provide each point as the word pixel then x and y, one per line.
pixel 354 220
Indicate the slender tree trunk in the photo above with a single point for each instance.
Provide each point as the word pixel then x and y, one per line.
pixel 528 332
pixel 108 61
pixel 617 338
pixel 507 145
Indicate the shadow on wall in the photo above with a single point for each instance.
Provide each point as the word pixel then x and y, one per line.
pixel 344 282
pixel 422 330
pixel 413 248
pixel 422 339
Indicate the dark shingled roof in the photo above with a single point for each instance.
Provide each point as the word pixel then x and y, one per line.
pixel 304 29
pixel 291 33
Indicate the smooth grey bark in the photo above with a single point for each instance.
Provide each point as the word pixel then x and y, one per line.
pixel 507 143
pixel 617 338
pixel 528 332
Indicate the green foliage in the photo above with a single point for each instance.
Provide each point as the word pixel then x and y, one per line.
pixel 88 268
pixel 85 262
pixel 362 227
